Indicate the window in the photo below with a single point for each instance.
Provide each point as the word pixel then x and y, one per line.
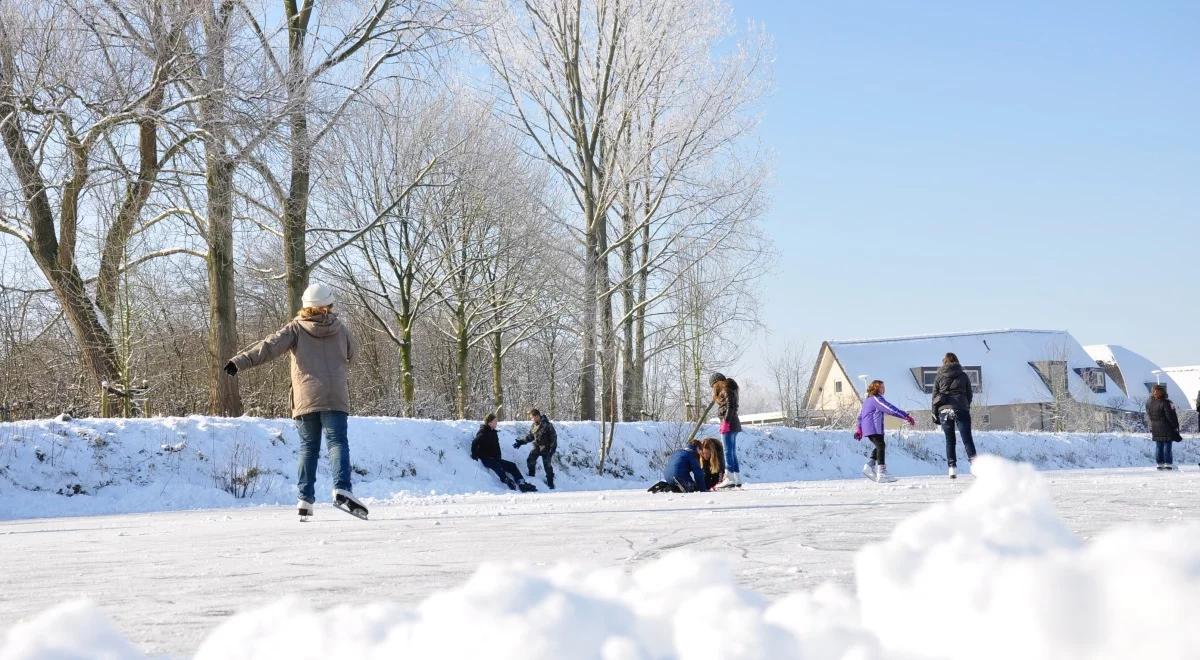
pixel 1053 374
pixel 837 386
pixel 1094 378
pixel 925 377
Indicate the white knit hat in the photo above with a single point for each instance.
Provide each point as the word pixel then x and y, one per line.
pixel 317 295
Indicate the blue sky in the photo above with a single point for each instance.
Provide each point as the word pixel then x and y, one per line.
pixel 945 166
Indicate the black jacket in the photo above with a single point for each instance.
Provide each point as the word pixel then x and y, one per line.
pixel 725 395
pixel 543 436
pixel 1164 421
pixel 486 444
pixel 952 388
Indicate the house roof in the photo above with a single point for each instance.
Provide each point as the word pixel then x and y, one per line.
pixel 1137 371
pixel 1188 380
pixel 1002 355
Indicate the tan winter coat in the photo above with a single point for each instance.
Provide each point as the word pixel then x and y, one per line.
pixel 321 349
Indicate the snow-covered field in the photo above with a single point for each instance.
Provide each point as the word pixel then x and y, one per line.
pixel 101 466
pixel 1098 563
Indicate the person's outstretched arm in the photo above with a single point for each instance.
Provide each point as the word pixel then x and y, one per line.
pixel 893 410
pixel 268 349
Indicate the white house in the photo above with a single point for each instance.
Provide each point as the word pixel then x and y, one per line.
pixel 1018 375
pixel 1134 375
pixel 1188 381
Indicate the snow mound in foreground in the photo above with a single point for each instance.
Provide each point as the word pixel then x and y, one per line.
pixel 992 574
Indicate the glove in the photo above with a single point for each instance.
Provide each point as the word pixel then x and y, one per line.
pixel 911 421
pixel 231 368
pixel 517 445
pixel 858 435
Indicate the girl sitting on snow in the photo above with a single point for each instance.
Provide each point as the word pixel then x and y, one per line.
pixel 712 459
pixel 870 424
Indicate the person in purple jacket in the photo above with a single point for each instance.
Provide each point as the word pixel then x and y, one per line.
pixel 870 424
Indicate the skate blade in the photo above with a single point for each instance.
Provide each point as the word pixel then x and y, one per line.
pixel 357 513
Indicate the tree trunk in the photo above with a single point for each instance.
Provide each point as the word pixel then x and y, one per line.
pixel 408 388
pixel 498 374
pixel 461 352
pixel 225 397
pixel 587 372
pixel 295 208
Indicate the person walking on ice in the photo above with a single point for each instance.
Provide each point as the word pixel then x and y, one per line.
pixel 545 443
pixel 321 350
pixel 725 396
pixel 952 394
pixel 870 424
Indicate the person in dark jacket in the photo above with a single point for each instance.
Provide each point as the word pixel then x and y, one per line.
pixel 485 448
pixel 712 459
pixel 545 443
pixel 952 394
pixel 725 396
pixel 1164 426
pixel 683 473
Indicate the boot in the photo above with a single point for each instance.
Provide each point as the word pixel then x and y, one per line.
pixel 953 472
pixel 550 481
pixel 730 481
pixel 527 487
pixel 305 509
pixel 869 469
pixel 881 474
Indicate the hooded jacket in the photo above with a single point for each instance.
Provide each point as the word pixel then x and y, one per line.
pixel 321 350
pixel 725 395
pixel 952 388
pixel 1164 420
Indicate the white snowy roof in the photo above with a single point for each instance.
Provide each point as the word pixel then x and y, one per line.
pixel 1138 372
pixel 1004 357
pixel 1188 380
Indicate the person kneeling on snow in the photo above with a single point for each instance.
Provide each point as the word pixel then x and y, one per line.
pixel 870 424
pixel 683 473
pixel 321 349
pixel 485 448
pixel 712 459
pixel 545 443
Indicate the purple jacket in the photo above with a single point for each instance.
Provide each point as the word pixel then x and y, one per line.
pixel 870 420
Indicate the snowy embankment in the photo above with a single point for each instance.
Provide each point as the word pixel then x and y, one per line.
pixel 991 573
pixel 104 466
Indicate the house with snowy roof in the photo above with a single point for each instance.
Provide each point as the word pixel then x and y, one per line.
pixel 1021 378
pixel 1188 381
pixel 1135 375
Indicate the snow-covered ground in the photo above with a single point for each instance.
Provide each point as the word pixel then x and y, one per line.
pixel 838 568
pixel 101 466
pixel 811 560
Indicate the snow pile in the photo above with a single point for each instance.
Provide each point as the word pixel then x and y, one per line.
pixel 75 629
pixel 992 574
pixel 100 466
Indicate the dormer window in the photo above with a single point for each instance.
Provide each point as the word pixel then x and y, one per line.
pixel 1094 378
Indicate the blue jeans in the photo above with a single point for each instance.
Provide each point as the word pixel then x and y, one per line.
pixel 333 422
pixel 730 440
pixel 1162 452
pixel 962 419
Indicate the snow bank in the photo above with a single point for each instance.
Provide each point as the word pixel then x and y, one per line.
pixel 99 466
pixel 992 574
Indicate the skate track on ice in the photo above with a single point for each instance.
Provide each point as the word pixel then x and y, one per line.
pixel 167 579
